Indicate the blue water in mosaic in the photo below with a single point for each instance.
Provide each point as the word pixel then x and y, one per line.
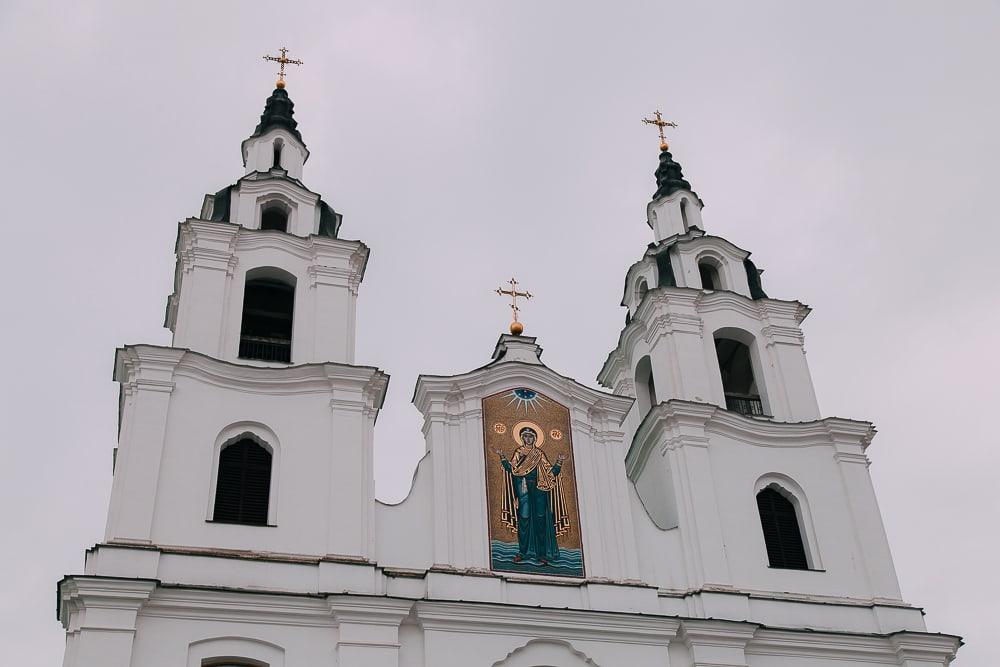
pixel 569 563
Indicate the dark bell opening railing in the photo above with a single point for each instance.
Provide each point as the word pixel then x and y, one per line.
pixel 266 349
pixel 745 405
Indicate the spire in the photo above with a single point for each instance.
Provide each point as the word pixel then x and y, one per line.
pixel 669 178
pixel 278 112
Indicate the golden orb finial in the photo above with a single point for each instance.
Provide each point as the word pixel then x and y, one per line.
pixel 281 84
pixel 664 146
pixel 516 327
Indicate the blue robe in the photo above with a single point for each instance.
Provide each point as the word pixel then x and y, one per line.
pixel 536 524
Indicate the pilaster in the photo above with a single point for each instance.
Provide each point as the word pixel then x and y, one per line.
pixel 99 616
pixel 368 630
pixel 870 535
pixel 715 643
pixel 924 650
pixel 206 263
pixel 146 385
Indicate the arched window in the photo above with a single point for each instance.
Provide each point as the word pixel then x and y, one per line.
pixel 244 484
pixel 782 535
pixel 278 145
pixel 274 217
pixel 234 652
pixel 266 330
pixel 684 213
pixel 709 275
pixel 738 383
pixel 645 388
pixel 641 290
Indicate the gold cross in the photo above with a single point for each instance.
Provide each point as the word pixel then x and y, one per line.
pixel 660 124
pixel 284 60
pixel 515 327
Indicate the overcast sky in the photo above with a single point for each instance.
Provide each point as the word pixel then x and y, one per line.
pixel 851 146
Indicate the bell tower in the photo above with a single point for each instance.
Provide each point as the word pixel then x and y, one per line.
pixel 249 439
pixel 729 453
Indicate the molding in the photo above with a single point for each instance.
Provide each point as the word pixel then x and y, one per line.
pixel 431 391
pixel 133 362
pixel 81 592
pixel 667 310
pixel 216 245
pixel 676 423
pixel 199 604
pixel 546 623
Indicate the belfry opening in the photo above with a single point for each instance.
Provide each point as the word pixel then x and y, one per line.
pixel 266 330
pixel 738 382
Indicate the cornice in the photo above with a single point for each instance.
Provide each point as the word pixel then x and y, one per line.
pixel 667 309
pixel 717 243
pixel 374 610
pixel 186 601
pixel 263 182
pixel 855 647
pixel 677 423
pixel 546 623
pixel 498 376
pixel 82 591
pixel 140 365
pixel 933 647
pixel 199 603
pixel 219 242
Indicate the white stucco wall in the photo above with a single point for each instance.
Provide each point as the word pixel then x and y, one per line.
pixel 213 260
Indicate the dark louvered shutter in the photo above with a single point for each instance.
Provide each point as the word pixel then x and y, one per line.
pixel 781 531
pixel 244 483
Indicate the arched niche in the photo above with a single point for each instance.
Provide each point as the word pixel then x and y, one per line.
pixel 645 386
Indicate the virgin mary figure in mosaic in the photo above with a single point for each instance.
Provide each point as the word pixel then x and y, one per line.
pixel 533 506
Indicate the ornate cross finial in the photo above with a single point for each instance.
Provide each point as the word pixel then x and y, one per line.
pixel 284 60
pixel 660 124
pixel 515 327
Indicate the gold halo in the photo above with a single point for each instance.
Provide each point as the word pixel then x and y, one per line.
pixel 516 432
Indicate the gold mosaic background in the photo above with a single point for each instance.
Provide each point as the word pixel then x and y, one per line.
pixel 501 413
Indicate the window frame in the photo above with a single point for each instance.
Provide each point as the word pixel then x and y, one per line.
pixel 264 437
pixel 794 493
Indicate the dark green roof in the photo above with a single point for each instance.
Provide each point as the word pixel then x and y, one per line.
pixel 278 112
pixel 669 178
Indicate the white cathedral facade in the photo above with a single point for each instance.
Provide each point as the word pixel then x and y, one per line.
pixel 698 512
